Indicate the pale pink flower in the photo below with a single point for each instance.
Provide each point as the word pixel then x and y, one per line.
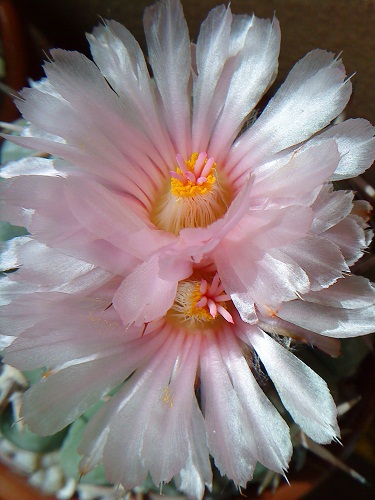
pixel 170 251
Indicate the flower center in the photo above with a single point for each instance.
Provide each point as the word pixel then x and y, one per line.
pixel 194 177
pixel 195 196
pixel 198 303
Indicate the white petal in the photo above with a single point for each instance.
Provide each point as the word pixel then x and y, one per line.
pixel 250 71
pixel 211 54
pixel 350 237
pixel 197 472
pixel 319 258
pixel 93 440
pixel 9 252
pixel 303 393
pixel 278 279
pixel 30 166
pixel 5 341
pixel 55 270
pixel 169 52
pixel 352 292
pixel 314 93
pixel 269 431
pixel 10 290
pixel 296 180
pixel 132 420
pixel 228 437
pixel 240 27
pixel 330 320
pixel 330 207
pixel 356 143
pixel 271 323
pixel 44 265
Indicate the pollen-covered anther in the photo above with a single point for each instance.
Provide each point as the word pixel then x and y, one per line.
pixel 196 195
pixel 193 177
pixel 198 303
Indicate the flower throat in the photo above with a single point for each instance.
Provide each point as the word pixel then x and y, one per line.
pixel 199 303
pixel 195 196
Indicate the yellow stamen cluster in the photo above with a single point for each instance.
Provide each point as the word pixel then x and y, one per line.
pixel 191 199
pixel 184 309
pixel 192 311
pixel 190 188
pixel 198 304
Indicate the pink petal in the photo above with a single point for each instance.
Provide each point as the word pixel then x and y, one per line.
pixel 236 277
pixel 114 139
pixel 268 229
pixel 121 61
pixel 198 241
pixel 116 219
pixel 56 328
pixel 89 161
pixel 42 208
pixel 174 267
pixel 143 296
